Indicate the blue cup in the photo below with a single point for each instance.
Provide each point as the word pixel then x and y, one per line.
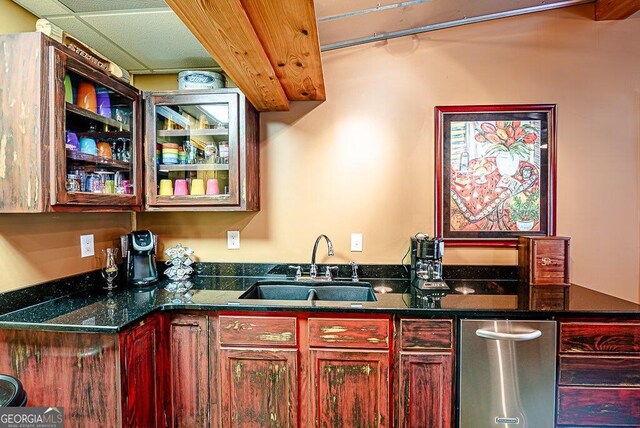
pixel 88 145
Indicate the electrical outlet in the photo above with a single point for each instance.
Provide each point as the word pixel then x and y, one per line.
pixel 233 239
pixel 86 246
pixel 356 242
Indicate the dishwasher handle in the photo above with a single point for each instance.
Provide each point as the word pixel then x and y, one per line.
pixel 517 337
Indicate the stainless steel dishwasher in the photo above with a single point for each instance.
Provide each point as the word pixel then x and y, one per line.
pixel 507 374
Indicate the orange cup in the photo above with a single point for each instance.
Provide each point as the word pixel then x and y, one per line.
pixel 86 97
pixel 104 150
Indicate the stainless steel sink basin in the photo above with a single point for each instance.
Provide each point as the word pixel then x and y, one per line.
pixel 311 290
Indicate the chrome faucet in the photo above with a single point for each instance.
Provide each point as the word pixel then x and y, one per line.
pixel 313 270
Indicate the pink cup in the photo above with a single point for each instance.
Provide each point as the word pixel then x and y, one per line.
pixel 212 187
pixel 180 188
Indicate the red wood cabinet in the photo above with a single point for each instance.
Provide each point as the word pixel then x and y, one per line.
pixel 256 358
pixel 141 397
pixel 347 364
pixel 77 371
pixel 47 172
pixel 259 387
pixel 599 380
pixel 349 388
pixel 188 393
pixel 424 362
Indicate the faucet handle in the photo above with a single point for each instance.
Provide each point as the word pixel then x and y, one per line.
pixel 298 271
pixel 354 271
pixel 327 272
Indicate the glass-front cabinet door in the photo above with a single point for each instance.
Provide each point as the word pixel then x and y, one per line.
pixel 195 148
pixel 96 149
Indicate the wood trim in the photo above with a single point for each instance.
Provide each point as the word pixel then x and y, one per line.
pixel 289 34
pixel 225 31
pixel 616 9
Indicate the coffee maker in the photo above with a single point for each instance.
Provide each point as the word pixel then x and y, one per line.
pixel 139 248
pixel 427 285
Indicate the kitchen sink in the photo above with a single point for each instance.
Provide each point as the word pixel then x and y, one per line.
pixel 311 290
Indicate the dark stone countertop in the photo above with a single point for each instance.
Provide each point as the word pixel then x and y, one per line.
pixel 94 310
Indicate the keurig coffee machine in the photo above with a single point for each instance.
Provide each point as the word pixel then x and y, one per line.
pixel 427 285
pixel 140 249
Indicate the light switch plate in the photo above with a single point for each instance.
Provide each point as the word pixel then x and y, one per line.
pixel 356 242
pixel 233 239
pixel 86 246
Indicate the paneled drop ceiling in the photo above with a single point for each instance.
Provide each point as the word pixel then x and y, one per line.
pixel 145 36
pixel 142 36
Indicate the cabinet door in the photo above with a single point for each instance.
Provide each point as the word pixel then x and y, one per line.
pixel 189 370
pixel 201 151
pixel 258 387
pixel 140 395
pixel 425 390
pixel 95 145
pixel 349 388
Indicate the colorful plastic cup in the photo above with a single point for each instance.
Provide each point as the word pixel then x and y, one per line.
pixel 103 101
pixel 68 90
pixel 212 186
pixel 166 188
pixel 197 187
pixel 104 150
pixel 88 145
pixel 109 186
pixel 181 188
pixel 86 97
pixel 72 142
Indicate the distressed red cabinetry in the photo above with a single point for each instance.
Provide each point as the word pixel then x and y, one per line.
pixel 424 363
pixel 61 147
pixel 257 358
pixel 599 374
pixel 188 364
pixel 348 364
pixel 141 396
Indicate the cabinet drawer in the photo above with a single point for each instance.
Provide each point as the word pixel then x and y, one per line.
pixel 260 331
pixel 425 334
pixel 599 337
pixel 549 259
pixel 596 370
pixel 600 407
pixel 349 333
pixel 544 260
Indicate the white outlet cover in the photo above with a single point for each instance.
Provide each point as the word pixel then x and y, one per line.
pixel 86 246
pixel 233 239
pixel 356 242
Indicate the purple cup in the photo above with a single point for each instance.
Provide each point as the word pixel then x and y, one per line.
pixel 72 141
pixel 103 101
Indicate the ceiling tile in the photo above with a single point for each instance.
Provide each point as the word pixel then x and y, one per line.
pixel 82 6
pixel 91 38
pixel 157 39
pixel 43 8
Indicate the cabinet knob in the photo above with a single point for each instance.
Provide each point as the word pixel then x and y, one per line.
pixel 545 261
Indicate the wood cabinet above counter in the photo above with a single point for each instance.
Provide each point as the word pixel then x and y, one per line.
pixel 71 139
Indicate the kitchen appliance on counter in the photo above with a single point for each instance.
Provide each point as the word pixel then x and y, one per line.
pixel 139 247
pixel 507 374
pixel 427 285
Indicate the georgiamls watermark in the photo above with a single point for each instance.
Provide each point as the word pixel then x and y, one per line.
pixel 31 417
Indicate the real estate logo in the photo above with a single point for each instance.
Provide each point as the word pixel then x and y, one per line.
pixel 31 417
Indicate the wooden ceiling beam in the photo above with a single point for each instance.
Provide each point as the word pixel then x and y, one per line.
pixel 225 31
pixel 289 34
pixel 616 9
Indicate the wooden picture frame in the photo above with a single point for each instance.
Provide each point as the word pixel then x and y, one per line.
pixel 495 173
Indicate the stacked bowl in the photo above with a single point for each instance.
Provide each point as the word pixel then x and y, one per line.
pixel 169 154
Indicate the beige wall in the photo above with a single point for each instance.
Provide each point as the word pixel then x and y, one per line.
pixel 363 160
pixel 40 247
